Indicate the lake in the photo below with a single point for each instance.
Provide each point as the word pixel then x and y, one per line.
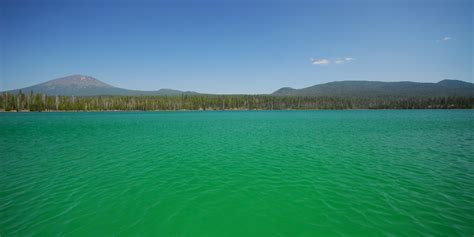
pixel 238 173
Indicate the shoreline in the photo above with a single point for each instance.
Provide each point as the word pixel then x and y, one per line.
pixel 183 110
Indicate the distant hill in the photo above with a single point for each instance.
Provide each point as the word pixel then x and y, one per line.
pixel 443 88
pixel 81 85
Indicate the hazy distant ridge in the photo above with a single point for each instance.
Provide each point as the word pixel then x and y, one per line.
pixel 81 85
pixel 443 88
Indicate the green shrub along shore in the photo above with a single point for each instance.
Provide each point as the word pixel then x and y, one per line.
pixel 42 102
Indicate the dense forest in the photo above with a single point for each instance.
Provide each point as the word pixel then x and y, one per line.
pixel 43 102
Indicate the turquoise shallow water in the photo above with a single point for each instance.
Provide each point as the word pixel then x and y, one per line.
pixel 282 173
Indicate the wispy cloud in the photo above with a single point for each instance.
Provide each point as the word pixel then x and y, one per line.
pixel 344 60
pixel 444 39
pixel 322 61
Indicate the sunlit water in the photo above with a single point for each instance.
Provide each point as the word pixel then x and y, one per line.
pixel 288 173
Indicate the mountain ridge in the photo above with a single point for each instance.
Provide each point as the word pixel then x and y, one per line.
pixel 82 85
pixel 447 87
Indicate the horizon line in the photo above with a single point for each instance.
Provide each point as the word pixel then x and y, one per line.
pixel 220 93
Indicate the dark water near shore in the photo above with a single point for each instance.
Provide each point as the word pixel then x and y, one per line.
pixel 263 173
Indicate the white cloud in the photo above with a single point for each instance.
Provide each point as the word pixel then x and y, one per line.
pixel 322 61
pixel 444 39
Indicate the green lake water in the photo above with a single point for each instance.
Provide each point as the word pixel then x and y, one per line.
pixel 247 173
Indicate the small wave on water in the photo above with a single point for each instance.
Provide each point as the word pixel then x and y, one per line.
pixel 286 173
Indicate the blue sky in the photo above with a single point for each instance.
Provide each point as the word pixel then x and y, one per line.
pixel 235 46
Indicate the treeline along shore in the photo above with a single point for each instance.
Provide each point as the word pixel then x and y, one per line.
pixel 42 102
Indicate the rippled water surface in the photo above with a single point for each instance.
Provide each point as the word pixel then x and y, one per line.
pixel 287 173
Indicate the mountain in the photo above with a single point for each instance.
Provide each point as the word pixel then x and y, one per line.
pixel 81 85
pixel 443 88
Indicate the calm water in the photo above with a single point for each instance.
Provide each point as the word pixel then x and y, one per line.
pixel 288 173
